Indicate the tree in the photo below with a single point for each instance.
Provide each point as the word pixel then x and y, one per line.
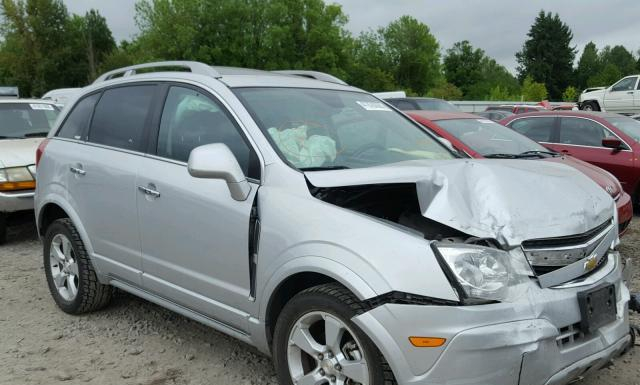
pixel 446 91
pixel 533 91
pixel 414 54
pixel 620 57
pixel 609 75
pixel 570 94
pixel 547 55
pixel 98 39
pixel 463 66
pixel 588 65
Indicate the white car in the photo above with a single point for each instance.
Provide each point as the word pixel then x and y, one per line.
pixel 622 97
pixel 23 125
pixel 61 96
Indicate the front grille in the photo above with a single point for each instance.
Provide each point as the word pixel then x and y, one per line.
pixel 565 241
pixel 578 253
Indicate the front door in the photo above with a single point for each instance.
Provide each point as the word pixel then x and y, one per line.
pixel 195 236
pixel 620 97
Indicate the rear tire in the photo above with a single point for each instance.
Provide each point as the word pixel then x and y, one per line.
pixel 590 106
pixel 72 280
pixel 315 315
pixel 3 228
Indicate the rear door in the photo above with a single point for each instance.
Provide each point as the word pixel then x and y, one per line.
pixel 102 178
pixel 582 138
pixel 620 97
pixel 195 237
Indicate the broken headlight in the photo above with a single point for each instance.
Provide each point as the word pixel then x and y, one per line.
pixel 486 273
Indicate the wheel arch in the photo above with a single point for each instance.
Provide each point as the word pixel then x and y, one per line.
pixel 594 101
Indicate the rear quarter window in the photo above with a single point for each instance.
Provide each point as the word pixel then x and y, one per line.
pixel 538 129
pixel 78 120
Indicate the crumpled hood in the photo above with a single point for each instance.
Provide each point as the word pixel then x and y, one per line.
pixel 18 152
pixel 508 200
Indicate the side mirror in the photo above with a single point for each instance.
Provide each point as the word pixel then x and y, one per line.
pixel 613 143
pixel 216 161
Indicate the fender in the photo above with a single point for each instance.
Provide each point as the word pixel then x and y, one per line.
pixel 57 199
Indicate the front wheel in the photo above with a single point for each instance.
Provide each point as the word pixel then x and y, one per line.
pixel 315 342
pixel 71 278
pixel 590 106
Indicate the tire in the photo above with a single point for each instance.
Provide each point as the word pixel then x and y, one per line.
pixel 329 303
pixel 84 293
pixel 3 228
pixel 590 106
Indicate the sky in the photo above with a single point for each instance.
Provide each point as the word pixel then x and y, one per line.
pixel 497 26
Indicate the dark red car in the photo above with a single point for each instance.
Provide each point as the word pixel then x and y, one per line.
pixel 609 141
pixel 483 138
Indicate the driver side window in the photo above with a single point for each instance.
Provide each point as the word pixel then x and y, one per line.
pixel 627 84
pixel 191 119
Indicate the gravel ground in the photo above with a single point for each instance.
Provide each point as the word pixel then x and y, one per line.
pixel 136 342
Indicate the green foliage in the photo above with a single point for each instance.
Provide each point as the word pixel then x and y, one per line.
pixel 547 55
pixel 446 91
pixel 570 94
pixel 588 65
pixel 533 91
pixel 606 77
pixel 498 93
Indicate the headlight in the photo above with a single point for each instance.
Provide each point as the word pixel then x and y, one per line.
pixel 16 178
pixel 486 273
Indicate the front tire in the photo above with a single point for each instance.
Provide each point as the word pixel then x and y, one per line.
pixel 590 106
pixel 315 341
pixel 72 281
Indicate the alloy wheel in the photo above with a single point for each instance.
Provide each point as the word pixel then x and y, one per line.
pixel 64 267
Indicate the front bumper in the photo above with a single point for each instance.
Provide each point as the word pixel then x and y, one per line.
pixel 501 344
pixel 11 202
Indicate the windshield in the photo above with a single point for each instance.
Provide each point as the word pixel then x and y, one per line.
pixel 487 137
pixel 326 129
pixel 24 120
pixel 436 105
pixel 629 126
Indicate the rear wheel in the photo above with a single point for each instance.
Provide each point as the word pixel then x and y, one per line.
pixel 315 342
pixel 590 106
pixel 3 228
pixel 72 280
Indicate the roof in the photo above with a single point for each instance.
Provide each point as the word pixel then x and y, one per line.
pixel 591 114
pixel 443 115
pixel 26 101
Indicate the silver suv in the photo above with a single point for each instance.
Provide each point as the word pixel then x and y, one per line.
pixel 319 224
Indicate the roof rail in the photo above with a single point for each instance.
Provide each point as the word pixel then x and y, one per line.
pixel 314 75
pixel 193 66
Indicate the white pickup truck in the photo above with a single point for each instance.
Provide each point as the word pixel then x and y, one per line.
pixel 622 97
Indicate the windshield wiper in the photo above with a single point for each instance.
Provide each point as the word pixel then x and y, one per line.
pixel 501 156
pixel 539 152
pixel 36 134
pixel 326 168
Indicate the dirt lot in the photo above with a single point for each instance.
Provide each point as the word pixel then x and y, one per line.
pixel 136 342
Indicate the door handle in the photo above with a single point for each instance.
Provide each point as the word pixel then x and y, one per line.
pixel 631 92
pixel 150 192
pixel 77 171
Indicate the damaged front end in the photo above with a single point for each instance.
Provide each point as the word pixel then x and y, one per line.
pixel 533 245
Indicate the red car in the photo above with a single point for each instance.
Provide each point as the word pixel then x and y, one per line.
pixel 609 141
pixel 483 138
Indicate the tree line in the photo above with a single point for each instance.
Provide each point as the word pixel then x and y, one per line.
pixel 43 47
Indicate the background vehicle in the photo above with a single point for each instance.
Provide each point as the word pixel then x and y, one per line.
pixel 23 125
pixel 318 224
pixel 622 97
pixel 607 140
pixel 495 115
pixel 516 108
pixel 60 96
pixel 429 104
pixel 480 138
pixel 636 117
pixel 9 92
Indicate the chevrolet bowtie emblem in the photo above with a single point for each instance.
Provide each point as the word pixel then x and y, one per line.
pixel 590 263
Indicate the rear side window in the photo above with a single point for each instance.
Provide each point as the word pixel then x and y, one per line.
pixel 538 129
pixel 120 117
pixel 191 119
pixel 78 119
pixel 403 105
pixel 582 132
